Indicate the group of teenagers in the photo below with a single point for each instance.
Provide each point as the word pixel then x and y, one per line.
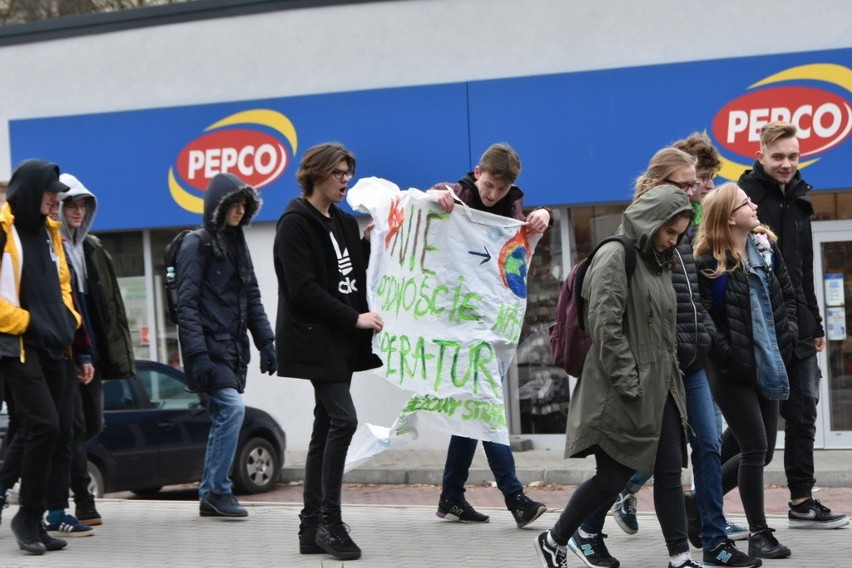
pixel 720 310
pixel 720 313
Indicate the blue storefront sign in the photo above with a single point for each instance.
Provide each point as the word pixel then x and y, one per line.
pixel 583 137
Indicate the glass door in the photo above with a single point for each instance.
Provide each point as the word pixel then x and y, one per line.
pixel 833 286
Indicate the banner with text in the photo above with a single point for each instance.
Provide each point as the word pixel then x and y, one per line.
pixel 452 291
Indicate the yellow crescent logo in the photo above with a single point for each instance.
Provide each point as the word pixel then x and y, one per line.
pixel 825 72
pixel 264 117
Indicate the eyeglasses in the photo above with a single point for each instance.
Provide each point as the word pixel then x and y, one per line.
pixel 707 178
pixel 343 174
pixel 748 202
pixel 684 185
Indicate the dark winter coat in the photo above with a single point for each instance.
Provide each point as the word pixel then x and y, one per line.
pixel 218 296
pixel 732 355
pixel 315 330
pixel 695 327
pixel 631 368
pixel 788 214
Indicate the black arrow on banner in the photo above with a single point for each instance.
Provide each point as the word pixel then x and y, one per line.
pixel 486 254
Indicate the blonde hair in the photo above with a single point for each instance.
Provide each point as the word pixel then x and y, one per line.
pixel 663 164
pixel 775 131
pixel 714 233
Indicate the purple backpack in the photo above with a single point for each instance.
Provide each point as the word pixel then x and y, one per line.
pixel 569 341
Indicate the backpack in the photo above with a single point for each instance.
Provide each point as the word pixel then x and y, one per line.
pixel 170 262
pixel 569 341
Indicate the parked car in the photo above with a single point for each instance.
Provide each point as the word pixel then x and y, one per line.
pixel 155 434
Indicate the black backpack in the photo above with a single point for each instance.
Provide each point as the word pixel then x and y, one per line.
pixel 170 261
pixel 569 341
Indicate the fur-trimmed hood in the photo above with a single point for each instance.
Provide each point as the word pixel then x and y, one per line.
pixel 223 192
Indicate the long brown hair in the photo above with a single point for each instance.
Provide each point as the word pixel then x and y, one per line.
pixel 714 233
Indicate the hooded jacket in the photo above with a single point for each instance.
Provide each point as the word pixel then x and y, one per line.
pixel 631 368
pixel 105 315
pixel 44 314
pixel 317 337
pixel 218 296
pixel 788 214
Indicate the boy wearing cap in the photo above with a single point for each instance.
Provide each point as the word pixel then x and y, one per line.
pixel 489 187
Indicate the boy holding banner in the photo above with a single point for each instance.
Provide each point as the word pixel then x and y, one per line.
pixel 490 188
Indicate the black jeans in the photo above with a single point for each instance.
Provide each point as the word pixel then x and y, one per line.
pixel 753 421
pixel 800 414
pixel 597 493
pixel 39 454
pixel 88 423
pixel 335 422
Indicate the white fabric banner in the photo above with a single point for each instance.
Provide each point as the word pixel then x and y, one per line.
pixel 452 291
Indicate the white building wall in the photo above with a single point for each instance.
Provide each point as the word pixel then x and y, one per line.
pixel 385 44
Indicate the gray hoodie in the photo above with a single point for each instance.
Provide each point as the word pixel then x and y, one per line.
pixel 74 243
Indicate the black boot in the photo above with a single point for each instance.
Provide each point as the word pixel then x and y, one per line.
pixel 48 541
pixel 25 526
pixel 307 535
pixel 333 538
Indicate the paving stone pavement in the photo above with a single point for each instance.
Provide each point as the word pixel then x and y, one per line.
pixel 142 534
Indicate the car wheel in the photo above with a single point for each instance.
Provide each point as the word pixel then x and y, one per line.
pixel 256 469
pixel 96 480
pixel 147 491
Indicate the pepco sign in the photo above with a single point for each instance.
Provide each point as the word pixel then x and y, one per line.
pixel 256 154
pixel 823 117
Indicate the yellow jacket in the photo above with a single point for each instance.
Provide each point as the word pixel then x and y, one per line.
pixel 15 320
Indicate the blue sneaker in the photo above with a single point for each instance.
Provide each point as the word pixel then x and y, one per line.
pixel 624 512
pixel 734 531
pixel 69 526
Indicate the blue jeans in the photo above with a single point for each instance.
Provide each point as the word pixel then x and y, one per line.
pixel 226 409
pixel 460 456
pixel 706 464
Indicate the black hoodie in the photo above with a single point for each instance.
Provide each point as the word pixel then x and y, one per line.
pixel 52 323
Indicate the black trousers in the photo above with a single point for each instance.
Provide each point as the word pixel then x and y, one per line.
pixel 335 422
pixel 753 421
pixel 611 477
pixel 40 452
pixel 88 423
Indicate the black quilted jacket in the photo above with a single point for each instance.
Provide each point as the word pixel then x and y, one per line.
pixel 695 327
pixel 733 347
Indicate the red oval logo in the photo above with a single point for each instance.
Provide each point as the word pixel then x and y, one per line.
pixel 256 157
pixel 823 119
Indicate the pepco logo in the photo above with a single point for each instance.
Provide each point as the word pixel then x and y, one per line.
pixel 235 145
pixel 823 118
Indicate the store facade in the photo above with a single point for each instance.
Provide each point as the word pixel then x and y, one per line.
pixel 583 136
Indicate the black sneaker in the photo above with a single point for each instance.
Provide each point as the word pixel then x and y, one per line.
pixel 812 514
pixel 551 556
pixel 3 503
pixel 762 544
pixel 460 511
pixel 333 538
pixel 26 528
pixel 524 509
pixel 85 511
pixel 592 551
pixel 726 554
pixel 690 563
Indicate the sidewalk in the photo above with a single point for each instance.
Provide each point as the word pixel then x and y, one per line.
pixel 833 467
pixel 146 534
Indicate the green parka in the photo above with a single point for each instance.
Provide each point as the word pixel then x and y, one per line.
pixel 632 365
